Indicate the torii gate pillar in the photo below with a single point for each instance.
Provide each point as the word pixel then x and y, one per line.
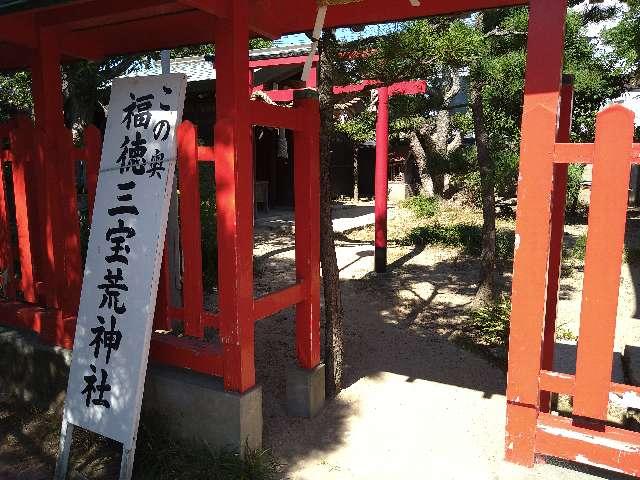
pixel 381 180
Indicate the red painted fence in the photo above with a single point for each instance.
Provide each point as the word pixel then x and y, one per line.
pixel 46 301
pixel 585 437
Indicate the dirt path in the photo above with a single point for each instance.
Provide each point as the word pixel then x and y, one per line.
pixel 415 405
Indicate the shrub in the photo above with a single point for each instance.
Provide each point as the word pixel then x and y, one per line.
pixel 490 324
pixel 421 205
pixel 506 174
pixel 574 182
pixel 461 235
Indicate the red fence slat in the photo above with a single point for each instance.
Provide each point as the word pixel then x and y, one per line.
pixel 6 248
pixel 20 141
pixel 190 232
pixel 92 152
pixel 71 226
pixel 603 259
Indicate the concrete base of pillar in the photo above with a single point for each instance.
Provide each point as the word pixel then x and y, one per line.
pixel 305 391
pixel 196 405
pixel 200 409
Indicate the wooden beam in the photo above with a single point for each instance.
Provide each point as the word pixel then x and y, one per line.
pixel 100 13
pixel 188 27
pixel 267 15
pixel 217 8
pixel 18 30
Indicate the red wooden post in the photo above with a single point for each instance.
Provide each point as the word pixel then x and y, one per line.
pixel 381 180
pixel 558 202
pixel 542 94
pixel 307 220
pixel 6 253
pixel 234 195
pixel 21 143
pixel 161 319
pixel 192 290
pixel 92 152
pixel 47 93
pixel 603 259
pixel 70 229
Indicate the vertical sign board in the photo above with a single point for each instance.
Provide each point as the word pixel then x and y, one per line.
pixel 120 282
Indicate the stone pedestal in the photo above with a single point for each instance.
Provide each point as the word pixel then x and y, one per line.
pixel 305 391
pixel 200 409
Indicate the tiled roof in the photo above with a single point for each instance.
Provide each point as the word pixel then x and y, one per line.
pixel 195 68
pixel 199 68
pixel 280 51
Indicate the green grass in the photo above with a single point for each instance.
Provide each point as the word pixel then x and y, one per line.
pixel 577 252
pixel 489 325
pixel 466 236
pixel 421 205
pixel 161 456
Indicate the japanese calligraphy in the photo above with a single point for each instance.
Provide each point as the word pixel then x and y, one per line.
pixel 115 319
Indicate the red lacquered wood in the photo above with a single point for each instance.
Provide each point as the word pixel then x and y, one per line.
pixel 539 129
pixel 612 448
pixel 209 319
pixel 307 221
pixel 205 154
pixel 381 180
pixel 6 247
pixel 20 141
pixel 268 115
pixel 71 227
pixel 186 352
pixel 190 233
pixel 92 152
pixel 603 260
pixel 558 202
pixel 234 198
pixel 556 382
pixel 161 318
pixel 47 83
pixel 272 303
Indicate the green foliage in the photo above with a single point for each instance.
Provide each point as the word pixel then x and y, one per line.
pixel 160 456
pixel 465 236
pixel 577 250
pixel 421 205
pixel 490 324
pixel 574 182
pixel 506 173
pixel 15 95
pixel 563 333
pixel 359 128
pixel 624 39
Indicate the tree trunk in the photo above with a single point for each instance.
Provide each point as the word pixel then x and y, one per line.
pixel 418 177
pixel 486 284
pixel 356 173
pixel 334 315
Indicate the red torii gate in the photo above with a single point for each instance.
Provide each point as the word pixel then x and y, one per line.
pixel 381 182
pixel 42 38
pixel 414 87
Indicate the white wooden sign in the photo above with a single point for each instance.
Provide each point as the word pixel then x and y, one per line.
pixel 126 242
